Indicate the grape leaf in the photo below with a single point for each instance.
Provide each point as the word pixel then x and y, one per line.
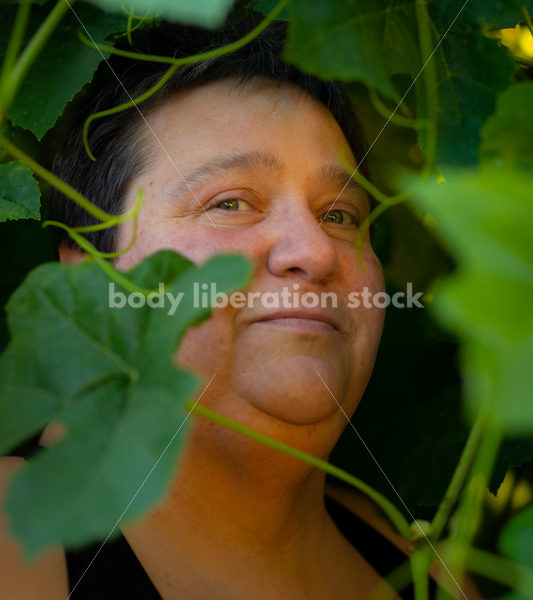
pixel 62 68
pixel 343 39
pixel 371 43
pixel 516 538
pixel 19 193
pixel 499 13
pixel 206 13
pixel 471 70
pixel 507 136
pixel 107 375
pixel 486 219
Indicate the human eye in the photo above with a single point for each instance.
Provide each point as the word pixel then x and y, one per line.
pixel 233 204
pixel 339 216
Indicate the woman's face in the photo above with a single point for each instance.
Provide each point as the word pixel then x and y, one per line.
pixel 262 170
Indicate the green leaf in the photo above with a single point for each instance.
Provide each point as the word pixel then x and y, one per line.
pixel 63 67
pixel 486 219
pixel 107 375
pixel 507 136
pixel 19 193
pixel 516 539
pixel 371 43
pixel 344 40
pixel 206 13
pixel 471 70
pixel 499 13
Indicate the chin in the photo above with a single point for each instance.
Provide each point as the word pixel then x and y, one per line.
pixel 292 392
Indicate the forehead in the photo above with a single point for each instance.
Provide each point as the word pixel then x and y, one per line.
pixel 225 117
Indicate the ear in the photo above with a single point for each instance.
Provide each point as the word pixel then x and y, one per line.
pixel 70 256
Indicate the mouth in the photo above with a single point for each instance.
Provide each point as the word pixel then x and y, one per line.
pixel 312 322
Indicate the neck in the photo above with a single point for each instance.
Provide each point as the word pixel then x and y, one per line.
pixel 236 501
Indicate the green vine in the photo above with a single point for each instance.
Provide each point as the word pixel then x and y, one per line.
pixel 174 62
pixel 394 515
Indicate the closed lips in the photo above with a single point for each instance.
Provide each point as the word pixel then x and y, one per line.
pixel 295 315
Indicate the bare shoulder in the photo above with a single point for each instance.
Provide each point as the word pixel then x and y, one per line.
pixel 45 577
pixel 368 511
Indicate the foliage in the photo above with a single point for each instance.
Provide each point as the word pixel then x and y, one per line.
pixel 100 374
pixel 430 69
pixel 20 193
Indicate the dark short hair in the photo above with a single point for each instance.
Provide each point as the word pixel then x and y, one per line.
pixel 116 141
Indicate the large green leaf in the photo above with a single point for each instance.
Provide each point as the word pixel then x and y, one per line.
pixel 62 68
pixel 499 13
pixel 107 374
pixel 371 43
pixel 507 136
pixel 486 221
pixel 349 40
pixel 471 70
pixel 207 13
pixel 19 193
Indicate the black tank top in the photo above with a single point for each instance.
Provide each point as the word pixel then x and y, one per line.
pixel 117 574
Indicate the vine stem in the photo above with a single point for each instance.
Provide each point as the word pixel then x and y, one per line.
pixel 468 513
pixel 59 184
pixel 15 41
pixel 99 258
pixel 430 78
pixel 116 109
pixel 458 479
pixel 31 52
pixel 380 107
pixel 194 58
pixel 388 508
pixel 174 62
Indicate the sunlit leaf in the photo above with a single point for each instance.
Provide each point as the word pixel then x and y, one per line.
pixel 485 219
pixel 507 136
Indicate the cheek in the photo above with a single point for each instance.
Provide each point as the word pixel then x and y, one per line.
pixel 208 347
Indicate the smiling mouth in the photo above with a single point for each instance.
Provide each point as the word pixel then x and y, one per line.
pixel 304 324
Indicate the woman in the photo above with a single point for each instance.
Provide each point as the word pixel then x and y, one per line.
pixel 241 155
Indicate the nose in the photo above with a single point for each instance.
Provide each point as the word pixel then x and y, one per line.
pixel 300 246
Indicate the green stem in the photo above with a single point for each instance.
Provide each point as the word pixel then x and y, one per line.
pixel 420 561
pixel 128 216
pixel 392 117
pixel 15 42
pixel 98 257
pixel 52 179
pixel 430 78
pixel 458 479
pixel 468 513
pixel 388 508
pixel 126 105
pixel 195 57
pixel 528 19
pixel 31 52
pixel 174 62
pixel 128 30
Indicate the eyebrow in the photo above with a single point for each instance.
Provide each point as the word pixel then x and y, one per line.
pixel 255 159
